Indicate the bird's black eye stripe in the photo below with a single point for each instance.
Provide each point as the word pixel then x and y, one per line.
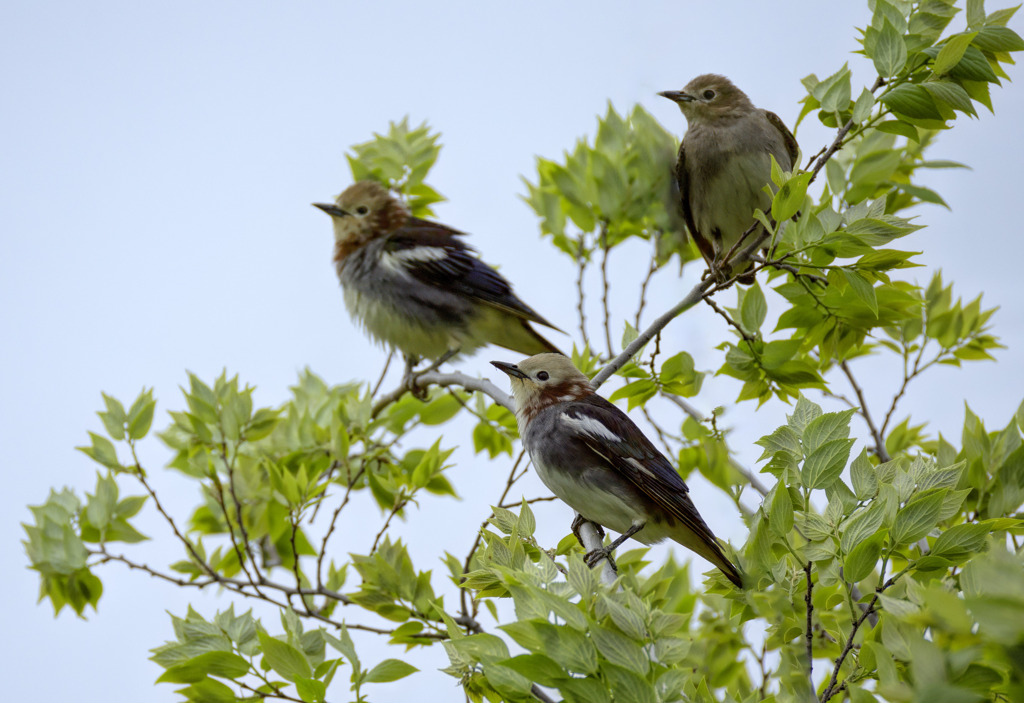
pixel 542 376
pixel 708 94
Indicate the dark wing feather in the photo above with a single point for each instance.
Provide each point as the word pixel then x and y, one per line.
pixel 657 479
pixel 682 180
pixel 791 146
pixel 459 271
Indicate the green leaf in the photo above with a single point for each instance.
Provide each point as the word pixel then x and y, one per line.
pixel 311 690
pixel 208 691
pixel 861 561
pixel 862 474
pixel 620 650
pixel 864 523
pixel 863 288
pixel 102 451
pixel 998 39
pixel 629 686
pixel 903 129
pixel 890 53
pixel 226 665
pixel 913 101
pixel 790 197
pixel 753 309
pixel 140 416
pixel 826 428
pixel 918 517
pixel 284 659
pixel 780 515
pixel 951 52
pixel 826 463
pixel 390 670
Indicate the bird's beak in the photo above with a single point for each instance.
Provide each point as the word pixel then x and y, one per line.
pixel 332 210
pixel 677 96
pixel 511 369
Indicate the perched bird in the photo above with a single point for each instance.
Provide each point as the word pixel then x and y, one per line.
pixel 724 164
pixel 415 286
pixel 592 456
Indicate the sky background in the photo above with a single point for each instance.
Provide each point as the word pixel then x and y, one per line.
pixel 158 164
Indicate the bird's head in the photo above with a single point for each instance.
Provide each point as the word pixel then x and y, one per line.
pixel 363 211
pixel 708 98
pixel 543 380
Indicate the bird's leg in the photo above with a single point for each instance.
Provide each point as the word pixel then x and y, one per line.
pixel 409 376
pixel 578 521
pixel 591 558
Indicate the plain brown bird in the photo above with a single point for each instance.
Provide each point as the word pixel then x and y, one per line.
pixel 415 286
pixel 724 164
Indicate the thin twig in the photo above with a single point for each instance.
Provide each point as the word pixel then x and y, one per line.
pixel 880 450
pixel 728 318
pixel 334 520
pixel 605 288
pixel 383 373
pixel 831 689
pixel 810 630
pixel 691 299
pixel 397 507
pixel 581 262
pixel 651 269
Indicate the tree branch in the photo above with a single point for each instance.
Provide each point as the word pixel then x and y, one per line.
pixel 691 299
pixel 444 380
pixel 880 450
pixel 810 630
pixel 590 538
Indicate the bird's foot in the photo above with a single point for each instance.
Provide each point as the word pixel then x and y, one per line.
pixel 411 377
pixel 594 557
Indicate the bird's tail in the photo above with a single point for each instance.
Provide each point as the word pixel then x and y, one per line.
pixel 707 546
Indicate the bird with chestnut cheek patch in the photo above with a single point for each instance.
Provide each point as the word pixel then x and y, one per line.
pixel 595 459
pixel 416 287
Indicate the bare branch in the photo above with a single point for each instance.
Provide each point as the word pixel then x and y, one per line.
pixel 810 629
pixel 444 380
pixel 691 299
pixel 604 288
pixel 866 414
pixel 581 259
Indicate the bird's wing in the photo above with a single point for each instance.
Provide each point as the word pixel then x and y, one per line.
pixel 682 180
pixel 787 137
pixel 610 434
pixel 433 254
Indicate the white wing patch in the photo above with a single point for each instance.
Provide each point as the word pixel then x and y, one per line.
pixel 638 466
pixel 589 426
pixel 398 261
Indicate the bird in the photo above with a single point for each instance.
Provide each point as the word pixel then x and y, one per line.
pixel 724 164
pixel 415 286
pixel 594 458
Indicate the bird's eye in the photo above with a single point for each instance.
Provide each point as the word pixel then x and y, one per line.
pixel 362 210
pixel 709 94
pixel 542 376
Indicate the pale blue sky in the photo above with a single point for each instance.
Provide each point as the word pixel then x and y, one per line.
pixel 158 165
